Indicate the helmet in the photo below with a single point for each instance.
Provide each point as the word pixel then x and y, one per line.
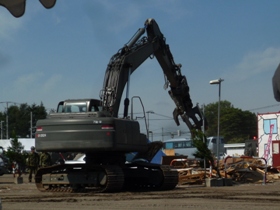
pixel 32 148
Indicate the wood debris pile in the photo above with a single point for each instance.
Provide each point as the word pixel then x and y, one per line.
pixel 189 171
pixel 239 169
pixel 247 170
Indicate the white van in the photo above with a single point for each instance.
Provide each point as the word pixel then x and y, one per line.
pixel 212 145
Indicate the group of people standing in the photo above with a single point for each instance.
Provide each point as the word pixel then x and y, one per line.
pixel 36 161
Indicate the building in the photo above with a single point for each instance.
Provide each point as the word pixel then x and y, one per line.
pixel 268 138
pixel 236 149
pixel 26 142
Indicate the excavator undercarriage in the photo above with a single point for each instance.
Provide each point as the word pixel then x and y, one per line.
pixel 106 178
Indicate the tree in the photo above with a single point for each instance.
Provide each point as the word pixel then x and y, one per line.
pixel 202 150
pixel 211 114
pixel 38 112
pixel 235 125
pixel 20 118
pixel 15 152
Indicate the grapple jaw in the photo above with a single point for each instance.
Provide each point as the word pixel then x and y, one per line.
pixel 193 118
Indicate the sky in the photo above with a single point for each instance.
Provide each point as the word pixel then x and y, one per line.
pixel 49 55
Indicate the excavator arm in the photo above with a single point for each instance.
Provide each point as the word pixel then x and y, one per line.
pixel 130 57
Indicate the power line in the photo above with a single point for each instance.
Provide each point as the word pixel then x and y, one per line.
pixel 264 107
pixel 163 115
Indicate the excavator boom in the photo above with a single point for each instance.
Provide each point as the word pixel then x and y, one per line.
pixel 131 56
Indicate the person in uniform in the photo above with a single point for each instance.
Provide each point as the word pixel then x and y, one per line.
pixel 45 159
pixel 33 163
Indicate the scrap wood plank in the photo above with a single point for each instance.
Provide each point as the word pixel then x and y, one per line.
pixel 222 173
pixel 233 160
pixel 192 178
pixel 231 170
pixel 255 166
pixel 191 181
pixel 260 171
pixel 184 169
pixel 247 175
pixel 275 176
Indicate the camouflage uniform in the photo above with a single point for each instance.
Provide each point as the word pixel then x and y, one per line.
pixel 33 163
pixel 45 159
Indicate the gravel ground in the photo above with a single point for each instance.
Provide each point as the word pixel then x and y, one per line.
pixel 245 196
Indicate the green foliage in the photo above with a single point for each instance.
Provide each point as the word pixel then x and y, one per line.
pixel 236 140
pixel 202 151
pixel 199 141
pixel 20 117
pixel 15 152
pixel 235 125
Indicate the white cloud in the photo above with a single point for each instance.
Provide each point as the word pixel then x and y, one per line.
pixel 255 63
pixel 27 81
pixel 116 17
pixel 57 19
pixel 52 82
pixel 122 16
pixel 4 59
pixel 37 81
pixel 174 9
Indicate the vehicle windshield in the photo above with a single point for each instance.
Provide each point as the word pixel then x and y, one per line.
pixel 213 140
pixel 177 144
pixel 73 107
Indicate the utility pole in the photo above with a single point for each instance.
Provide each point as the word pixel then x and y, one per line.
pixel 31 125
pixel 218 82
pixel 148 133
pixel 7 122
pixel 7 116
pixel 2 129
pixel 162 138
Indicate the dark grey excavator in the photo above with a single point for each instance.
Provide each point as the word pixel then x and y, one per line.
pixel 93 126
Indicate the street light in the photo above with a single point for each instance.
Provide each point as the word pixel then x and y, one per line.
pixel 151 132
pixel 218 82
pixel 148 128
pixel 1 129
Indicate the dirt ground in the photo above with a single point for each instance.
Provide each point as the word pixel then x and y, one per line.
pixel 245 196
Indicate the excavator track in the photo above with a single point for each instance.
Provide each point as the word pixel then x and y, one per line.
pixel 138 176
pixel 171 178
pixel 146 177
pixel 78 178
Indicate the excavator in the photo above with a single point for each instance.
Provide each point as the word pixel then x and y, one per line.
pixel 93 127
